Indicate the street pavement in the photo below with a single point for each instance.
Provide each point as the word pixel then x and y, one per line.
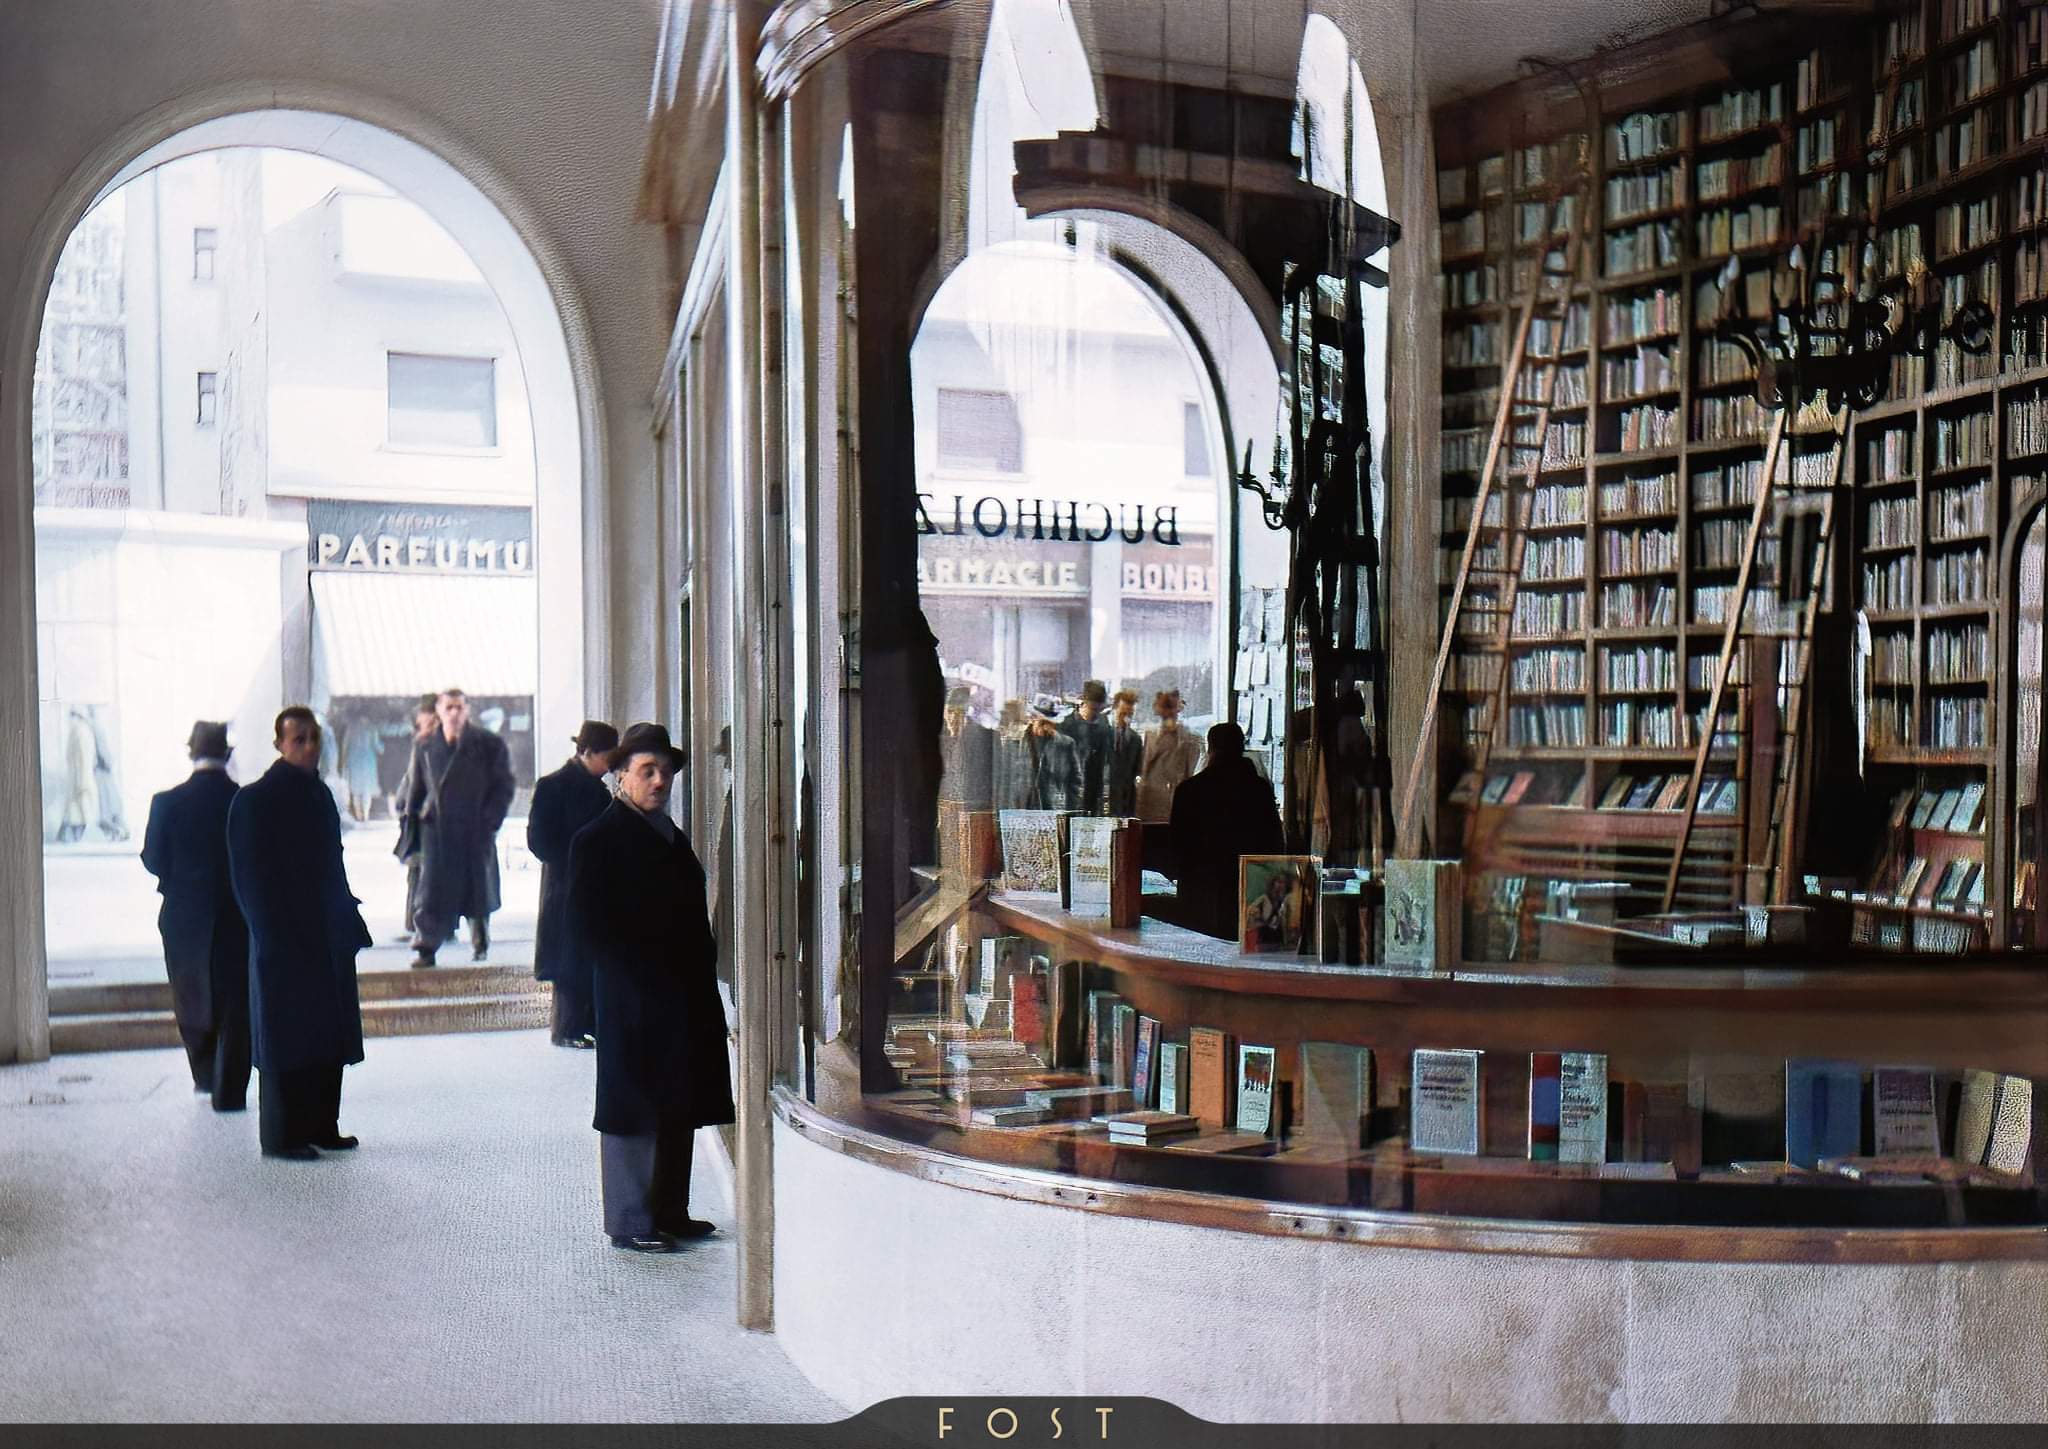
pixel 100 905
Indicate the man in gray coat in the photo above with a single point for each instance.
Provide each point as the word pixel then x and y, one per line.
pixel 461 788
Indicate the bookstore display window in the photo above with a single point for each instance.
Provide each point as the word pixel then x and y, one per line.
pixel 1713 765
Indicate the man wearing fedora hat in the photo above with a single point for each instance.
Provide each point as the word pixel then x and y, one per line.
pixel 638 907
pixel 1092 738
pixel 563 803
pixel 206 941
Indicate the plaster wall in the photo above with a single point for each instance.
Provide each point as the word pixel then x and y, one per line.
pixel 1251 1328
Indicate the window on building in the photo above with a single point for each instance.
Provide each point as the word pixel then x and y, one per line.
pixel 979 430
pixel 1194 441
pixel 442 402
pixel 205 242
pixel 209 398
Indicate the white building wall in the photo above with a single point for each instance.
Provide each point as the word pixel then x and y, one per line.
pixel 189 332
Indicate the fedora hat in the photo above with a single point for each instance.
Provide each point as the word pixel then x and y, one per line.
pixel 208 741
pixel 645 739
pixel 596 735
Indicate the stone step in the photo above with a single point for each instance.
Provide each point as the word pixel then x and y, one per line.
pixel 155 996
pixel 111 1031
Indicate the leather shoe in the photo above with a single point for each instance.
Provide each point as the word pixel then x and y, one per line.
pixel 422 963
pixel 653 1243
pixel 691 1228
pixel 231 1106
pixel 336 1144
pixel 300 1153
pixel 481 953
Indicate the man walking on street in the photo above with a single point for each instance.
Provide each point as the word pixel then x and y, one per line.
pixel 636 892
pixel 424 722
pixel 563 803
pixel 206 941
pixel 461 788
pixel 284 855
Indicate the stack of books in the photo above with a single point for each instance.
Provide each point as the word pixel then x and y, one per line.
pixel 1139 1129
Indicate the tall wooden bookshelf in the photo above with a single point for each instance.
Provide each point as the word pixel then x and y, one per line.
pixel 1743 142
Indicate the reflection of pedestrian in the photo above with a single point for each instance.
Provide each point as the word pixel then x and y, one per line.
pixel 284 854
pixel 968 752
pixel 636 892
pixel 726 886
pixel 563 803
pixel 359 754
pixel 78 758
pixel 1171 753
pixel 113 819
pixel 1125 754
pixel 408 847
pixel 462 786
pixel 1055 765
pixel 1091 736
pixel 206 942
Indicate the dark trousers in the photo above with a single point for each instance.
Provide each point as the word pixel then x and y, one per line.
pixel 575 1012
pixel 646 1180
pixel 220 1057
pixel 430 930
pixel 299 1106
pixel 412 888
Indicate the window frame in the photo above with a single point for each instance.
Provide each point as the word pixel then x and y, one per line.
pixel 207 388
pixel 205 245
pixel 494 447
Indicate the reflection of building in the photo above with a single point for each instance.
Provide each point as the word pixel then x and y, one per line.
pixel 1069 495
pixel 213 396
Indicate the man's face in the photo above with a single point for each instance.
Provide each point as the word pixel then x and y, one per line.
pixel 1041 726
pixel 1123 710
pixel 298 743
pixel 423 723
pixel 1089 708
pixel 645 782
pixel 955 717
pixel 454 712
pixel 1167 710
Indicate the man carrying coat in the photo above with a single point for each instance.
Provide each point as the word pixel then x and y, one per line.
pixel 563 803
pixel 461 788
pixel 284 855
pixel 206 941
pixel 636 893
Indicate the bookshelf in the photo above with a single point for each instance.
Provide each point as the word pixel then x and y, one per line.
pixel 1640 498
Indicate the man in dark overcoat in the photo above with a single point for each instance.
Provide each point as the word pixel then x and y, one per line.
pixel 1091 735
pixel 206 941
pixel 461 788
pixel 969 752
pixel 284 855
pixel 424 722
pixel 1055 766
pixel 636 892
pixel 1223 812
pixel 1121 761
pixel 563 803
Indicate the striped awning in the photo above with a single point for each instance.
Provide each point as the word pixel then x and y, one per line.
pixel 395 635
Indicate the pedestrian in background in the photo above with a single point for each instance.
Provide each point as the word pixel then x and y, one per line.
pixel 424 723
pixel 206 941
pixel 461 788
pixel 284 855
pixel 637 898
pixel 563 803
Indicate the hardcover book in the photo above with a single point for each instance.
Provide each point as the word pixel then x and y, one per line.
pixel 1144 1061
pixel 1018 1116
pixel 1944 810
pixel 1090 866
pixel 1146 1126
pixel 1518 787
pixel 1903 1120
pixel 1545 1093
pixel 1615 797
pixel 1924 807
pixel 1031 849
pixel 1823 1111
pixel 1212 1075
pixel 1123 1048
pixel 1969 808
pixel 1068 1103
pixel 1496 790
pixel 1444 1102
pixel 1336 1092
pixel 1909 879
pixel 1257 1079
pixel 1126 873
pixel 1994 1126
pixel 1099 1054
pixel 1568 1107
pixel 1173 1077
pixel 1027 1009
pixel 1277 904
pixel 1424 914
pixel 1644 792
pixel 1673 794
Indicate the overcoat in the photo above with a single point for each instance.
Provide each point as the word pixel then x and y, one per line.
pixel 970 766
pixel 284 854
pixel 1091 738
pixel 460 794
pixel 1055 773
pixel 638 904
pixel 563 803
pixel 1218 815
pixel 1170 757
pixel 206 941
pixel 1125 752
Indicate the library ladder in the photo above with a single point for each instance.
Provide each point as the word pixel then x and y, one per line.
pixel 1496 540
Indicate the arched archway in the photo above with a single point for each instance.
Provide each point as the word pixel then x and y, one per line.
pixel 552 337
pixel 2018 839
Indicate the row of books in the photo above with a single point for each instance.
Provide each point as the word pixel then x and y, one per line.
pixel 1964 440
pixel 1646 370
pixel 1962 225
pixel 1639 723
pixel 1733 175
pixel 1640 315
pixel 1959 577
pixel 1959 655
pixel 1951 723
pixel 1638 550
pixel 1647 134
pixel 1629 791
pixel 1891 523
pixel 1532 787
pixel 1959 884
pixel 1639 493
pixel 1738 228
pixel 1954 513
pixel 2026 425
pixel 1638 193
pixel 1734 112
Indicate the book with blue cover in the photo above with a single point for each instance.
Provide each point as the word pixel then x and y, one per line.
pixel 1823 1110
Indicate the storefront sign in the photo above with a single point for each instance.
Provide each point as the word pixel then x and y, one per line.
pixel 1046 520
pixel 345 536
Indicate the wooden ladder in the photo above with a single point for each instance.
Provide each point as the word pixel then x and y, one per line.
pixel 1550 294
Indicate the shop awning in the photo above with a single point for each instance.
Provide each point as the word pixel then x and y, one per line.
pixel 394 635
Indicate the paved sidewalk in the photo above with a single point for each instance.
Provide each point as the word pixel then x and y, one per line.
pixel 153 1267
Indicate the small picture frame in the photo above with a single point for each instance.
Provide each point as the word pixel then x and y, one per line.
pixel 1277 914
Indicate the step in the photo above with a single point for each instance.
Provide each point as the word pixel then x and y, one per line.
pixel 155 996
pixel 405 1016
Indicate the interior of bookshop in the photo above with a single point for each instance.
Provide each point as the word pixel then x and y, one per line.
pixel 1687 866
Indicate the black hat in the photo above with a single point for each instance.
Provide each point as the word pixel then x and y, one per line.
pixel 645 739
pixel 208 741
pixel 1094 691
pixel 596 735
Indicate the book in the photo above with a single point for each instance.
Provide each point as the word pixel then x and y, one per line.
pixel 1823 1110
pixel 1518 787
pixel 1615 796
pixel 1445 1094
pixel 1496 790
pixel 1661 1124
pixel 1909 879
pixel 1424 914
pixel 1925 807
pixel 1258 1071
pixel 1644 792
pixel 1126 873
pixel 1098 1055
pixel 1673 794
pixel 1577 797
pixel 1903 1122
pixel 1213 1143
pixel 1949 889
pixel 1276 904
pixel 1994 1122
pixel 1336 1093
pixel 1031 849
pixel 1173 1077
pixel 1901 808
pixel 1212 1075
pixel 1973 893
pixel 1143 1063
pixel 1567 1107
pixel 1970 809
pixel 1088 866
pixel 1068 1103
pixel 1019 1116
pixel 1027 1008
pixel 1144 1126
pixel 1944 810
pixel 1123 1043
